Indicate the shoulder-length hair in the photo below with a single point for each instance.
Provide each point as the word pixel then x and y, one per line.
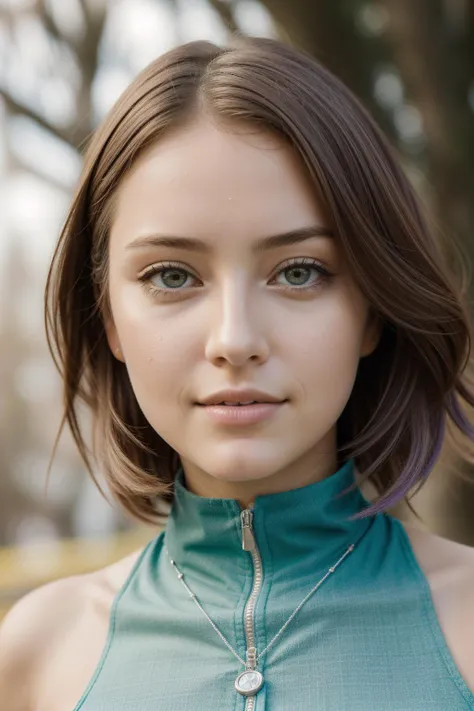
pixel 394 422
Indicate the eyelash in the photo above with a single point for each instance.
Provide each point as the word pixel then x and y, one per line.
pixel 145 278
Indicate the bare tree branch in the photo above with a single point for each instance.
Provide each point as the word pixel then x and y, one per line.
pixel 87 50
pixel 16 163
pixel 20 109
pixel 49 22
pixel 225 13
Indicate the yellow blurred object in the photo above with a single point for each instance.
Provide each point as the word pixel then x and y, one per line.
pixel 27 567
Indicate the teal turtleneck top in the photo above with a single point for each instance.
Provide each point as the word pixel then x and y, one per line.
pixel 368 639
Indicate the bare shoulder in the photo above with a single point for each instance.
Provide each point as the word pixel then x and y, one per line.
pixel 449 569
pixel 47 622
pixel 439 556
pixel 28 629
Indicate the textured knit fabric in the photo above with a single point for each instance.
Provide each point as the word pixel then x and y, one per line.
pixel 367 640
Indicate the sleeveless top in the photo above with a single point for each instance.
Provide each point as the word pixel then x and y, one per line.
pixel 368 639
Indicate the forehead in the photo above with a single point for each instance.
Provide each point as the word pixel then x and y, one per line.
pixel 215 182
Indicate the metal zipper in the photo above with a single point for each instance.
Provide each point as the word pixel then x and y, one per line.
pixel 249 544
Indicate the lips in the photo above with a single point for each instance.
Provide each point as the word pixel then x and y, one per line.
pixel 241 397
pixel 240 404
pixel 242 415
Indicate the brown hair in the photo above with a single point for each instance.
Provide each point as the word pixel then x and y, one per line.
pixel 394 423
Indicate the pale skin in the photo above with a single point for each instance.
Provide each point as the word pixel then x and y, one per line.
pixel 229 324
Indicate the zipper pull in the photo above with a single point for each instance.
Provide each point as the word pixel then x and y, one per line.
pixel 248 539
pixel 251 656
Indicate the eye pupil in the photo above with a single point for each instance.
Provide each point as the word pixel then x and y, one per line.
pixel 300 272
pixel 177 275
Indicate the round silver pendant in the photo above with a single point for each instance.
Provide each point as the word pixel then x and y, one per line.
pixel 249 682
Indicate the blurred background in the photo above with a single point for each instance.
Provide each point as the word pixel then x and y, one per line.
pixel 62 65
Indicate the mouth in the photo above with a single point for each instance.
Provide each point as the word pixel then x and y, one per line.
pixel 235 414
pixel 240 404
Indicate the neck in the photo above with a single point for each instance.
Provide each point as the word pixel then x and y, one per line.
pixel 244 491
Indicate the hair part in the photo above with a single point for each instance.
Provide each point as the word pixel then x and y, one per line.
pixel 394 424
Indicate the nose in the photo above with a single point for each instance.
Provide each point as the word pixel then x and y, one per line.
pixel 235 329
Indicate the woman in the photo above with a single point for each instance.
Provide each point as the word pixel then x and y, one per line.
pixel 254 403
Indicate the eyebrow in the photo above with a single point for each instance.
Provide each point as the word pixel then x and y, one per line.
pixel 197 245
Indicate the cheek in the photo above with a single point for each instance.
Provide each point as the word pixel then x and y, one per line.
pixel 158 368
pixel 326 354
pixel 157 352
pixel 157 361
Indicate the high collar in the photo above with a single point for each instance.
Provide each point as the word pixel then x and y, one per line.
pixel 297 531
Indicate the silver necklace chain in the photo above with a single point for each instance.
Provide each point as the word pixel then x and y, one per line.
pixel 180 575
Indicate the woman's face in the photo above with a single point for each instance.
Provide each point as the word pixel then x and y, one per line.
pixel 225 314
